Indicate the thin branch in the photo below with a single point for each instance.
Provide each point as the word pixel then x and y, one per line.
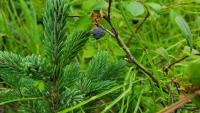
pixel 176 84
pixel 177 105
pixel 139 26
pixel 120 42
pixel 143 21
pixel 109 8
pixel 166 70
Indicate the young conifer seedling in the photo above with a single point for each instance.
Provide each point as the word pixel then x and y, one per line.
pixel 53 82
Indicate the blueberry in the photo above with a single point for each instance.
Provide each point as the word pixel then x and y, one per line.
pixel 98 33
pixel 134 21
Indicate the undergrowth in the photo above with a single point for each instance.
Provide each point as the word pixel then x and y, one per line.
pixel 96 56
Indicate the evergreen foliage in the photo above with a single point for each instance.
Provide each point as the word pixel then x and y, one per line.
pixel 53 58
pixel 54 82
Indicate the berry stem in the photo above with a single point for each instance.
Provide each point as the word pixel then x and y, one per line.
pixel 122 45
pixel 143 21
pixel 109 8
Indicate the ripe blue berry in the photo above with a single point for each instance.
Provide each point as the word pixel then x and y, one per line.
pixel 134 21
pixel 98 33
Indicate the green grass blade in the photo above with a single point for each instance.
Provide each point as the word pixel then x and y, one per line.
pixel 91 99
pixel 19 99
pixel 138 102
pixel 116 101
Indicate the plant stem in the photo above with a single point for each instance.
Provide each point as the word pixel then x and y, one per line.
pixel 122 45
pixel 166 70
pixel 143 21
pixel 177 104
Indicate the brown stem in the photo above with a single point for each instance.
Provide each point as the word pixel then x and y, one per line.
pixel 145 18
pixel 176 84
pixel 177 105
pixel 109 8
pixel 166 70
pixel 130 58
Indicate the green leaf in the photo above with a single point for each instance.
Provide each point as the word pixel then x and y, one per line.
pixel 194 72
pixel 187 49
pixel 162 52
pixel 135 8
pixel 100 4
pixel 88 5
pixel 155 6
pixel 83 23
pixel 185 29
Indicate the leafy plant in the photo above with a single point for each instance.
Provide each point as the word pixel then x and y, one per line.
pixel 54 81
pixel 69 61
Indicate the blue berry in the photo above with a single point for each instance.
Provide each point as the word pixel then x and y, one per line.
pixel 134 21
pixel 98 33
